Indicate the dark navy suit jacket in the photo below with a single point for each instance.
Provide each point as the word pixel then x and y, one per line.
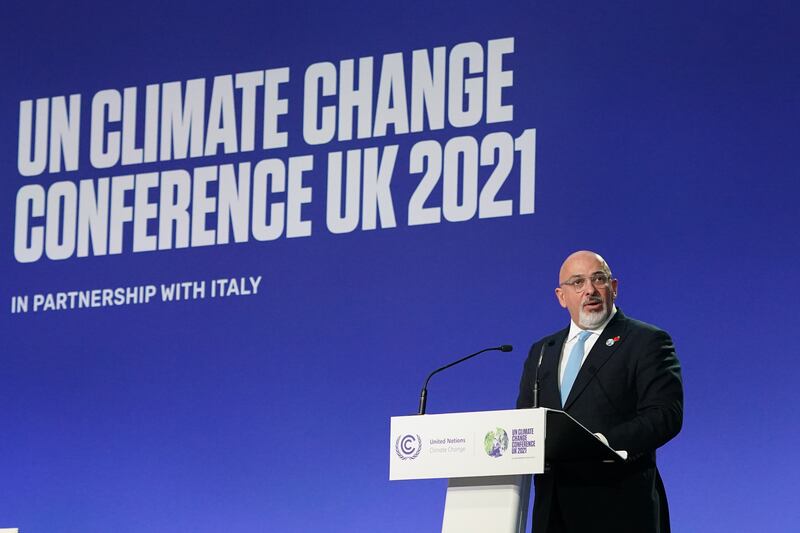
pixel 631 392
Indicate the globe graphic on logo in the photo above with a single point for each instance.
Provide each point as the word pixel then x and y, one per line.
pixel 496 442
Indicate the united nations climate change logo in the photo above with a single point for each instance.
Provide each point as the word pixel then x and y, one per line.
pixel 496 442
pixel 408 446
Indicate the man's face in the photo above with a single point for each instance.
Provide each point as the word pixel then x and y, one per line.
pixel 590 306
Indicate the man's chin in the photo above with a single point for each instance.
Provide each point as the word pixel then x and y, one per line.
pixel 592 319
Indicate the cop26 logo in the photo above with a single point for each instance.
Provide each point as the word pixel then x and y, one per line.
pixel 496 442
pixel 408 446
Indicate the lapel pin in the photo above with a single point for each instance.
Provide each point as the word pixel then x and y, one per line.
pixel 610 342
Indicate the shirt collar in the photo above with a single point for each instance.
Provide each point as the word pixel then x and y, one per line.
pixel 574 329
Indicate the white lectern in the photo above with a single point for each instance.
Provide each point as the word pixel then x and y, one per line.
pixel 488 457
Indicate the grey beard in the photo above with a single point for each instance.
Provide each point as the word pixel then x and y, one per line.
pixel 591 320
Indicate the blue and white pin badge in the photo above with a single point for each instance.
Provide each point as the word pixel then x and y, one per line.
pixel 610 342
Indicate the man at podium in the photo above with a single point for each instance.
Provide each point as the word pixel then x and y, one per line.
pixel 618 377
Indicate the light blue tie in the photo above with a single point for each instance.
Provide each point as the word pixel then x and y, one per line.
pixel 573 365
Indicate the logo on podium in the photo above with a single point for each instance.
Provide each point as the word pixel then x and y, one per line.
pixel 496 442
pixel 408 446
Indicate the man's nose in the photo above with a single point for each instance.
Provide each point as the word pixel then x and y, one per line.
pixel 590 288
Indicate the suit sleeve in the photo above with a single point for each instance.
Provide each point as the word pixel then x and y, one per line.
pixel 659 404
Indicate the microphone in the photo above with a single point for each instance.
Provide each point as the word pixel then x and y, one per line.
pixel 538 366
pixel 423 396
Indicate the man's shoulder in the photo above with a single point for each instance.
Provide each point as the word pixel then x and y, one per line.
pixel 557 337
pixel 633 325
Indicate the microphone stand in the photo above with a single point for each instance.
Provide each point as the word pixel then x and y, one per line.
pixel 423 396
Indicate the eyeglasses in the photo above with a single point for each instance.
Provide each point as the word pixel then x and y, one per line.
pixel 599 280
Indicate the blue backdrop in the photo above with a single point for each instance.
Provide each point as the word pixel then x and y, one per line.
pixel 665 140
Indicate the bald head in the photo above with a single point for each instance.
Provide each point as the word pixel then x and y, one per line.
pixel 586 289
pixel 579 258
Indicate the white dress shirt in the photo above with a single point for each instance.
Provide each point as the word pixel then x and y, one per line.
pixel 572 338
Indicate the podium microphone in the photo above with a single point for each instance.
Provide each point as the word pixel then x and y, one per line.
pixel 423 396
pixel 538 366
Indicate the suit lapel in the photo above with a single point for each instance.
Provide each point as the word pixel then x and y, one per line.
pixel 550 396
pixel 608 342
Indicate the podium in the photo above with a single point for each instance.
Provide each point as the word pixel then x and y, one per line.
pixel 488 457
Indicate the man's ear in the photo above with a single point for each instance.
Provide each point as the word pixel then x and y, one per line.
pixel 560 296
